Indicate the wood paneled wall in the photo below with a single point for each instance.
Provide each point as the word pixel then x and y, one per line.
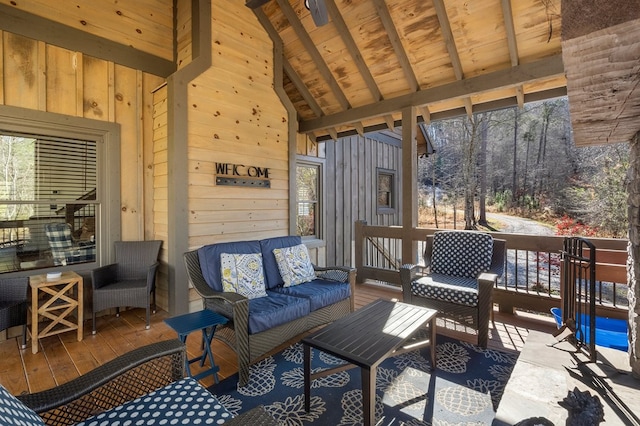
pixel 39 76
pixel 236 117
pixel 145 25
pixel 351 189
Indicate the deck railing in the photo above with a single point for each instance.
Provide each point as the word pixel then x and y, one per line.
pixel 532 277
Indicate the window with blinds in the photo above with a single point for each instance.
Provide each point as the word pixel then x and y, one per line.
pixel 48 201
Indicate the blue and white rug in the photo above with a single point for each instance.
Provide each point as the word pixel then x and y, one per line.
pixel 464 389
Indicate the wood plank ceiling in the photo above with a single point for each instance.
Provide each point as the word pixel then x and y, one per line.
pixel 445 57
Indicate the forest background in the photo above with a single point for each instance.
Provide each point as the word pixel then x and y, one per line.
pixel 524 162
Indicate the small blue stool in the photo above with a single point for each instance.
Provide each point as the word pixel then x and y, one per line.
pixel 206 321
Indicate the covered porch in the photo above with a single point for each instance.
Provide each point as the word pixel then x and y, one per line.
pixel 63 358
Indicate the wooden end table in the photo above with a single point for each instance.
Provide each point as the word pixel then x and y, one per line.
pixel 367 337
pixel 59 302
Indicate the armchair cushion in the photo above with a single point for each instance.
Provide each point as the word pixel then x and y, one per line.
pixel 459 290
pixel 14 412
pixel 243 274
pixel 294 265
pixel 181 402
pixel 461 253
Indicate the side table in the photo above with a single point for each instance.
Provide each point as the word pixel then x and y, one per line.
pixel 205 320
pixel 59 302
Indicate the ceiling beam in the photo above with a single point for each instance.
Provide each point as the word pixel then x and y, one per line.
pixel 312 50
pixel 457 112
pixel 509 77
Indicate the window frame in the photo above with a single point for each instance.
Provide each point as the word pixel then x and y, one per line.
pixel 318 164
pixel 107 138
pixel 393 192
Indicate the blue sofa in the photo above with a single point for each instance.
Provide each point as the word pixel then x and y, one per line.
pixel 258 325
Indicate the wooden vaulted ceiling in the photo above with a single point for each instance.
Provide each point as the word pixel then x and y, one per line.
pixel 444 57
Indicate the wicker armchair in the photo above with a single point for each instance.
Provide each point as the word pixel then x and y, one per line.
pixel 135 374
pixel 461 269
pixel 129 281
pixel 14 304
pixel 125 378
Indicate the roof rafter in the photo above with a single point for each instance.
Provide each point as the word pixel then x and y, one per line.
pixel 394 38
pixel 288 69
pixel 512 42
pixel 352 47
pixel 447 34
pixel 311 49
pixel 544 68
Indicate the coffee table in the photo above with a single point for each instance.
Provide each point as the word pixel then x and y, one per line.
pixel 364 339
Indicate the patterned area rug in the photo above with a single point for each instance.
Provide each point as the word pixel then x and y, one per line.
pixel 464 389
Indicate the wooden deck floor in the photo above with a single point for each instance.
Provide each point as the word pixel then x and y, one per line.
pixel 62 358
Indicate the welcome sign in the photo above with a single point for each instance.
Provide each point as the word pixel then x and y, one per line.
pixel 241 175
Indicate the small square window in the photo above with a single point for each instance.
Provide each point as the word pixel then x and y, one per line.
pixel 386 191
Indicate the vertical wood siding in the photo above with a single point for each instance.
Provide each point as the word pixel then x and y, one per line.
pixel 351 190
pixel 38 76
pixel 236 117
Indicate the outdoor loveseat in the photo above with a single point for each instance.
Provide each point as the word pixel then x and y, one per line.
pixel 276 309
pixel 146 384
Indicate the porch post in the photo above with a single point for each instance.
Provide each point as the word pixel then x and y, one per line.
pixel 633 261
pixel 409 182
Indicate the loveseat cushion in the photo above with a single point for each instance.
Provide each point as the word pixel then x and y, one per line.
pixel 275 309
pixel 182 402
pixel 459 290
pixel 320 293
pixel 271 271
pixel 461 253
pixel 210 263
pixel 14 412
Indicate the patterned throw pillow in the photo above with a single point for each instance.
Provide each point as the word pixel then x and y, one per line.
pixel 243 274
pixel 14 412
pixel 294 265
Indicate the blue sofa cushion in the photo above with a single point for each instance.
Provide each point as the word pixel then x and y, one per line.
pixel 460 290
pixel 461 253
pixel 182 402
pixel 271 271
pixel 209 257
pixel 275 309
pixel 14 412
pixel 320 293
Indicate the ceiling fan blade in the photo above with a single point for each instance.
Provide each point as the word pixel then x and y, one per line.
pixel 318 12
